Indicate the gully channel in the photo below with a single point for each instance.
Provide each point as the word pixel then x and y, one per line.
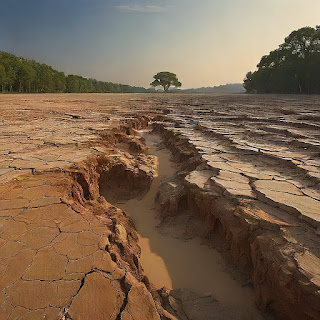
pixel 184 266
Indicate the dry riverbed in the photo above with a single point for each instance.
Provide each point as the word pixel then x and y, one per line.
pixel 184 265
pixel 230 224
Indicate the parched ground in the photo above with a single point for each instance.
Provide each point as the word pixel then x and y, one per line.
pixel 66 252
pixel 60 242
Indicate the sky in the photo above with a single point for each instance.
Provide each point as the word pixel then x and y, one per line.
pixel 205 42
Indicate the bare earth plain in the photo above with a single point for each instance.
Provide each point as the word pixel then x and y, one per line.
pixel 244 181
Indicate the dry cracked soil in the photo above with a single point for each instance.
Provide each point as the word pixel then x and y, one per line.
pixel 246 182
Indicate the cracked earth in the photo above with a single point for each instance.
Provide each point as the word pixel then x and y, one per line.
pixel 249 168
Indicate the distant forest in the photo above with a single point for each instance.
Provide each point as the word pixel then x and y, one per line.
pixel 292 68
pixel 23 75
pixel 226 88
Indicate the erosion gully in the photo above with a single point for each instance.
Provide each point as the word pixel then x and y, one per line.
pixel 176 263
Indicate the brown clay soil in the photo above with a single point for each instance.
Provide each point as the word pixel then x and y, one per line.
pixel 238 207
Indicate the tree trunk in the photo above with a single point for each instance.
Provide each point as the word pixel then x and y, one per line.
pixel 298 83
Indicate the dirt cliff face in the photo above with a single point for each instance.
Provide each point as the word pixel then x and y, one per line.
pixel 248 173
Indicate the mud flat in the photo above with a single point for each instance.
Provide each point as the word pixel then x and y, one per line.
pixel 245 184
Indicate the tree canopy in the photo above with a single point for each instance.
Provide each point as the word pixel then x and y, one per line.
pixel 292 68
pixel 23 75
pixel 166 80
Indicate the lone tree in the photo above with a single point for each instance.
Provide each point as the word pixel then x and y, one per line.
pixel 166 79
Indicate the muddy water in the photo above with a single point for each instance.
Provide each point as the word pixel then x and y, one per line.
pixel 176 263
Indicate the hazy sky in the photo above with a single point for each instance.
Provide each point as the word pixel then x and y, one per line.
pixel 206 42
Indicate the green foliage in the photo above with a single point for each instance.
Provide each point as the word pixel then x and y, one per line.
pixel 3 76
pixel 166 80
pixel 292 68
pixel 23 75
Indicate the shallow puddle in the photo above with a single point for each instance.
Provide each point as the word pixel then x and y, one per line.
pixel 176 263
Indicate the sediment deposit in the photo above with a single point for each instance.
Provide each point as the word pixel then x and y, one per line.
pixel 247 181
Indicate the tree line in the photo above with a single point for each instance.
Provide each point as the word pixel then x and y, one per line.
pixel 22 75
pixel 292 68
